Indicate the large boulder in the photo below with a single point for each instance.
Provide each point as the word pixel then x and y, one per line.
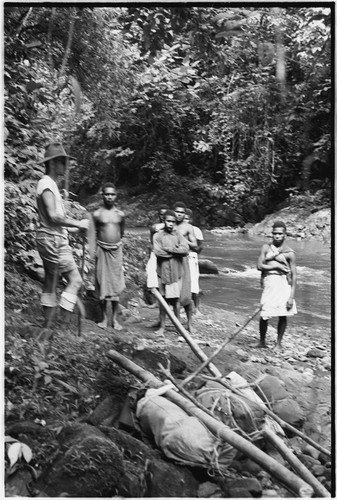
pixel 207 267
pixel 105 462
pixel 91 465
pixel 147 473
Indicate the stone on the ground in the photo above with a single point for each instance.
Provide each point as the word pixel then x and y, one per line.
pixel 324 459
pixel 16 484
pixel 315 353
pixel 242 355
pixel 249 485
pixel 209 490
pixel 107 411
pixel 309 461
pixel 250 465
pixel 318 470
pixel 91 465
pixel 311 451
pixel 143 464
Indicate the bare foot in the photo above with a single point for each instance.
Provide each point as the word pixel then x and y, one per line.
pixel 189 328
pixel 197 313
pixel 103 324
pixel 261 345
pixel 278 348
pixel 117 326
pixel 160 332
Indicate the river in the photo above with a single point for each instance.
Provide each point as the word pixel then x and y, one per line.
pixel 240 290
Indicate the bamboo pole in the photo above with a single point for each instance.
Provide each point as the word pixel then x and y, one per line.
pixel 296 464
pixel 277 470
pixel 194 346
pixel 219 377
pixel 218 350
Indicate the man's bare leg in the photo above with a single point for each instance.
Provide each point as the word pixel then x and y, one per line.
pixel 188 311
pixel 263 332
pixel 162 316
pixel 104 323
pixel 196 300
pixel 176 309
pixel 115 323
pixel 281 328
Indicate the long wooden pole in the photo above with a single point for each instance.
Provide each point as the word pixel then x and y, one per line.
pixel 216 373
pixel 296 464
pixel 194 346
pixel 218 350
pixel 277 470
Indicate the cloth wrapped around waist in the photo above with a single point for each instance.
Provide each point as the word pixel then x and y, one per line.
pixel 110 280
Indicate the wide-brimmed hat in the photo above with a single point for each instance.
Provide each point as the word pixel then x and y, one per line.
pixel 55 150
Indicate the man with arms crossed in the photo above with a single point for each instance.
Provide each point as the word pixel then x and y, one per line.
pixel 109 223
pixel 170 248
pixel 277 263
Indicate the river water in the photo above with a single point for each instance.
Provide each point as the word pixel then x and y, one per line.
pixel 240 290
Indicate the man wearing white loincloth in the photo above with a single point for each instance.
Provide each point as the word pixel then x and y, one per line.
pixel 194 263
pixel 277 263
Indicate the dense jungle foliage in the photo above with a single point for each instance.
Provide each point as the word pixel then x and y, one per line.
pixel 229 106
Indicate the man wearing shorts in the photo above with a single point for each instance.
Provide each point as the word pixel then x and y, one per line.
pixel 52 237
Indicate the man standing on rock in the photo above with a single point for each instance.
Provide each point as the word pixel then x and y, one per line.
pixel 109 223
pixel 170 248
pixel 52 237
pixel 277 263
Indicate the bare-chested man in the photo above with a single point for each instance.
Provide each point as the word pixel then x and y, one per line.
pixel 194 264
pixel 277 263
pixel 109 224
pixel 186 230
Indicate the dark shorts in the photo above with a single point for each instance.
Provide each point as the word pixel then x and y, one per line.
pixel 55 252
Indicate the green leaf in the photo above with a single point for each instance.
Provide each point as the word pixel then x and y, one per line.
pixel 14 453
pixel 67 386
pixel 26 452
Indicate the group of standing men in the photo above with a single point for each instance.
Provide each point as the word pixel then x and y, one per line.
pixel 172 267
pixel 174 257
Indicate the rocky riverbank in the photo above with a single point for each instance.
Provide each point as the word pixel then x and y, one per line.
pixel 302 223
pixel 65 399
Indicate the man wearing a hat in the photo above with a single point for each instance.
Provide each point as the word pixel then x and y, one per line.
pixel 52 236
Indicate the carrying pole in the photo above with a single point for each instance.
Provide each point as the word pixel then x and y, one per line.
pixel 219 376
pixel 277 470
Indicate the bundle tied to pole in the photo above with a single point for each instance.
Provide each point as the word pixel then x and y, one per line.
pixel 217 375
pixel 277 470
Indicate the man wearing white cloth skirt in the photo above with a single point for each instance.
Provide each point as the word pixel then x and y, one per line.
pixel 278 267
